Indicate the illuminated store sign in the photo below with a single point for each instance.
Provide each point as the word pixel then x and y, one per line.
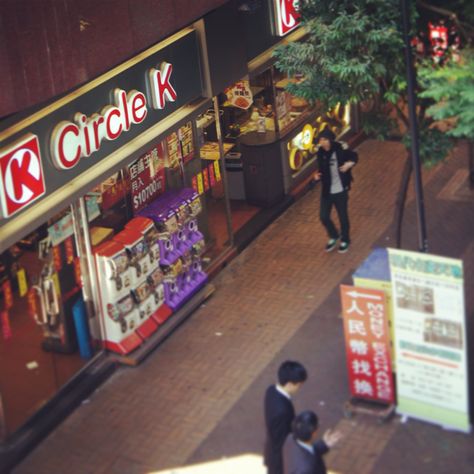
pixel 44 152
pixel 286 16
pixel 21 175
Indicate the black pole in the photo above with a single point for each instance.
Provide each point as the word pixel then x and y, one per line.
pixel 415 151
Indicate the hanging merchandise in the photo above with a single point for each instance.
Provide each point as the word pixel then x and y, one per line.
pixel 32 303
pixel 212 176
pixel 69 246
pixel 205 175
pixel 22 282
pixel 200 183
pixel 77 272
pixel 6 327
pixel 217 171
pixel 57 258
pixel 7 294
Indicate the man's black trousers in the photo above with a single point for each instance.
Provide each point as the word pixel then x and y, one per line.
pixel 340 201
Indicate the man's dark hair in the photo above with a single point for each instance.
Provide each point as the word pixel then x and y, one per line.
pixel 304 425
pixel 291 371
pixel 327 133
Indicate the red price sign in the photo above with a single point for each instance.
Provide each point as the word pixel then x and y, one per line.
pixel 367 343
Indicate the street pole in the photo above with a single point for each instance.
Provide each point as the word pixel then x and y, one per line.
pixel 415 151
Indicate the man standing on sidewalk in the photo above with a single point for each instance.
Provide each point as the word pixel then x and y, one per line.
pixel 279 412
pixel 334 164
pixel 302 453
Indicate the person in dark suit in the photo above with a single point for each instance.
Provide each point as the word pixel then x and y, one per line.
pixel 302 454
pixel 279 412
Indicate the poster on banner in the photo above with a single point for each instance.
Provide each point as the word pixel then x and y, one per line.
pixel 430 338
pixel 147 178
pixel 367 344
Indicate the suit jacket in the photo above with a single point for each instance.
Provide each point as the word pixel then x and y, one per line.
pixel 279 414
pixel 298 460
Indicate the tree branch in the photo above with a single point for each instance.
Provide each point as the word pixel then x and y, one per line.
pixel 401 115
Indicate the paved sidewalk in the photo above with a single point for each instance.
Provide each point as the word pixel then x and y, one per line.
pixel 198 397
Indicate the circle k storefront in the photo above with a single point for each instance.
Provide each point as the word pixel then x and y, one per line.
pixel 119 200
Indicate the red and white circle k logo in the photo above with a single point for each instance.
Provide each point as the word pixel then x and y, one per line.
pixel 21 175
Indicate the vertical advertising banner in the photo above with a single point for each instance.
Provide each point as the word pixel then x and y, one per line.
pixel 367 343
pixel 430 338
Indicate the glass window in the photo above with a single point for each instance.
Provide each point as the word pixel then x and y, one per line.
pixel 44 321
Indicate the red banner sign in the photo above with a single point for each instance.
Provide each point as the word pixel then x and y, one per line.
pixel 367 343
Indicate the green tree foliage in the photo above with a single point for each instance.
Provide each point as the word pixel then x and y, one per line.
pixel 451 87
pixel 354 52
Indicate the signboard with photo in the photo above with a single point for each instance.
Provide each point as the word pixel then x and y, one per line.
pixel 430 337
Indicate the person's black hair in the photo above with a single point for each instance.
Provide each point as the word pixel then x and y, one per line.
pixel 291 371
pixel 304 425
pixel 327 133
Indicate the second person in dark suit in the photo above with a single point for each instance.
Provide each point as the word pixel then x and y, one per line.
pixel 279 412
pixel 302 454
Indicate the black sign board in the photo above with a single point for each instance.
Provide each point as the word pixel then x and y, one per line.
pixel 76 132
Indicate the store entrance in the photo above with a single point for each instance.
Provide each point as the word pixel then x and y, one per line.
pixel 44 339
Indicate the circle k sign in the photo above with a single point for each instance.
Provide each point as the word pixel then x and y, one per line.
pixel 21 175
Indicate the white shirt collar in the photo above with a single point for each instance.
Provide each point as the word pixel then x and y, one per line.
pixel 306 446
pixel 282 391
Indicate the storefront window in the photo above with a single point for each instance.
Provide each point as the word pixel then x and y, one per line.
pixel 151 237
pixel 44 320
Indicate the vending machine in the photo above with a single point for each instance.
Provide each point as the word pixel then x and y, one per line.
pixel 120 315
pixel 155 301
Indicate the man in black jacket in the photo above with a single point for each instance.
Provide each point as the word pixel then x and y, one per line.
pixel 334 170
pixel 302 454
pixel 279 412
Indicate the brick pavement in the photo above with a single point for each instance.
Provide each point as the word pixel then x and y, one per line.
pixel 198 396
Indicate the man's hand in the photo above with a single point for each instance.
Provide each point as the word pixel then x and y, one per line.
pixel 346 166
pixel 332 437
pixel 317 176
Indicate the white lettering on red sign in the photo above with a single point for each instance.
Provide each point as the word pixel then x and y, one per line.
pixel 286 16
pixel 72 141
pixel 160 86
pixel 21 172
